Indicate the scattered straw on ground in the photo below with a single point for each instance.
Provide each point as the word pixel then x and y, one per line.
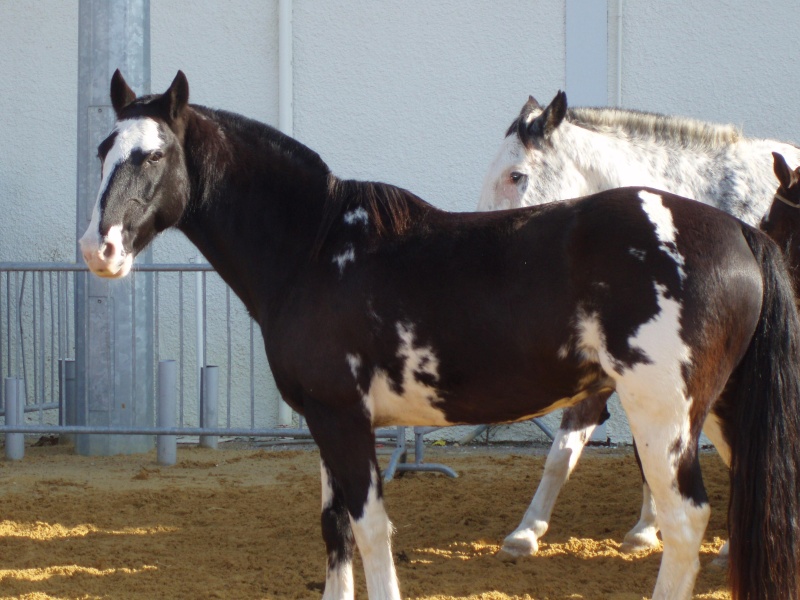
pixel 245 524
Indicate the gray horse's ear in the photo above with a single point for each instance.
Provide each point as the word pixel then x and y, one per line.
pixel 785 175
pixel 542 127
pixel 177 96
pixel 121 93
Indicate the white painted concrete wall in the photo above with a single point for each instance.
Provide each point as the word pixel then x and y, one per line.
pixel 416 93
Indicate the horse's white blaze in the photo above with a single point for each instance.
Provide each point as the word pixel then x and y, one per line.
pixel 416 404
pixel 372 533
pixel 341 260
pixel 105 255
pixel 358 215
pixel 661 217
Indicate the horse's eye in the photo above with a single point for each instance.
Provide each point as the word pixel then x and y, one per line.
pixel 155 156
pixel 516 176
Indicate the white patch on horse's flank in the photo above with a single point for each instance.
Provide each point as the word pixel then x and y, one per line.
pixel 354 360
pixel 637 254
pixel 372 533
pixel 591 340
pixel 417 403
pixel 357 215
pixel 341 260
pixel 661 217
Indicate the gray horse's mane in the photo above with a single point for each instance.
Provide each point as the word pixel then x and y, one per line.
pixel 656 127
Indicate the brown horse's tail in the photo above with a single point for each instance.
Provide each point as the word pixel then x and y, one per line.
pixel 764 510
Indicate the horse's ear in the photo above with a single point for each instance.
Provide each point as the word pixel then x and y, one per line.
pixel 177 96
pixel 782 171
pixel 542 127
pixel 121 93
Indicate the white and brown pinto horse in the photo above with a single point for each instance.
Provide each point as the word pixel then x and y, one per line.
pixel 555 152
pixel 377 309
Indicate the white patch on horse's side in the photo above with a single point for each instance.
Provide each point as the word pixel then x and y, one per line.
pixel 563 352
pixel 354 360
pixel 637 254
pixel 661 217
pixel 341 260
pixel 417 404
pixel 357 215
pixel 591 340
pixel 372 533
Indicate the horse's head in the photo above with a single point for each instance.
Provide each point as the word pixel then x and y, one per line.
pixel 145 186
pixel 530 168
pixel 782 221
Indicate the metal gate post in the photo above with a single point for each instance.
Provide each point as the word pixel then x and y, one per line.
pixel 113 319
pixel 66 398
pixel 209 413
pixel 167 444
pixel 15 401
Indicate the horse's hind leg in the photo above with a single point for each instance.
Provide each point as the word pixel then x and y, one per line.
pixel 667 442
pixel 576 428
pixel 352 503
pixel 644 534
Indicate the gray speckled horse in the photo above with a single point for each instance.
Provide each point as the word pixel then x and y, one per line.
pixel 555 152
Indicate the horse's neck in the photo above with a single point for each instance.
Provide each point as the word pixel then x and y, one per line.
pixel 736 177
pixel 253 213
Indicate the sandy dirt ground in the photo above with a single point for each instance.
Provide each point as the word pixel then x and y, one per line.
pixel 244 523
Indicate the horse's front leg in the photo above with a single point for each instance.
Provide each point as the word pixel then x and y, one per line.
pixel 577 425
pixel 352 503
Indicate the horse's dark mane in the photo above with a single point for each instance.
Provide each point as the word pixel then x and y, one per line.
pixel 391 209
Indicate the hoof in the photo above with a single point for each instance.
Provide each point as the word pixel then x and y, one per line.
pixel 721 561
pixel 515 546
pixel 639 542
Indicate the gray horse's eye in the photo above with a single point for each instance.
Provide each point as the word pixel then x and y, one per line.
pixel 516 176
pixel 156 156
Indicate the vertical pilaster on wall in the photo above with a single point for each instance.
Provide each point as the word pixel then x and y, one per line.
pixel 587 52
pixel 113 319
pixel 587 71
pixel 285 114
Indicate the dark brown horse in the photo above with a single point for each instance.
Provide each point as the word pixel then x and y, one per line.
pixel 377 308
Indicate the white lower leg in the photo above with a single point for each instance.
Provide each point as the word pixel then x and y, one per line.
pixel 372 532
pixel 339 575
pixel 644 534
pixel 682 530
pixel 564 453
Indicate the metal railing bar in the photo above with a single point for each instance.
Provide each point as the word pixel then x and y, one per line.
pixel 220 431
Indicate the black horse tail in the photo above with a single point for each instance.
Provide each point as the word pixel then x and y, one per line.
pixel 764 504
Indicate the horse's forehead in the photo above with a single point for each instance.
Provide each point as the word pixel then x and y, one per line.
pixel 142 134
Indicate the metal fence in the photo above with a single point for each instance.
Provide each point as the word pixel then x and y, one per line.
pixel 196 325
